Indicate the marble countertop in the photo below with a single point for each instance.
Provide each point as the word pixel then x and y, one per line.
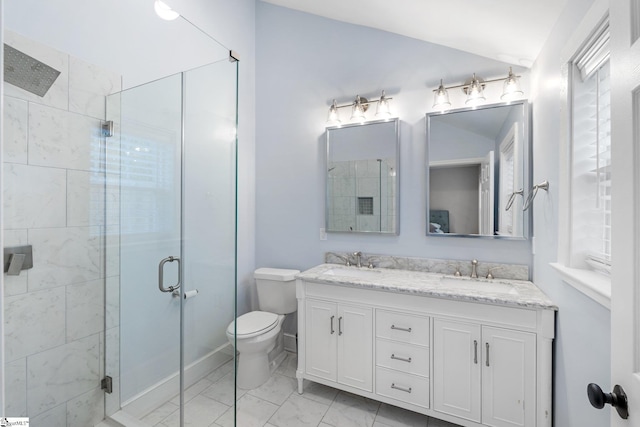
pixel 519 293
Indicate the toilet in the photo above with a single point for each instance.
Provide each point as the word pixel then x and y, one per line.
pixel 257 332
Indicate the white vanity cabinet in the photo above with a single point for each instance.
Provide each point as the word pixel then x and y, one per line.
pixel 484 374
pixel 340 343
pixel 456 357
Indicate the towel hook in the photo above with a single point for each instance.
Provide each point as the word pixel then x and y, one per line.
pixel 512 198
pixel 534 191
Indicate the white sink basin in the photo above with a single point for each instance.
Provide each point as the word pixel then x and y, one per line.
pixel 478 285
pixel 353 272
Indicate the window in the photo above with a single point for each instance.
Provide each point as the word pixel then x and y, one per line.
pixel 591 155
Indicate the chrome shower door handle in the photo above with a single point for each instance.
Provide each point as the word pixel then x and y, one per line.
pixel 161 274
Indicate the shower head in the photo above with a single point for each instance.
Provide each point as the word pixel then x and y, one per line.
pixel 27 72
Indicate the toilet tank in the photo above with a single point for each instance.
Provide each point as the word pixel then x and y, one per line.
pixel 276 290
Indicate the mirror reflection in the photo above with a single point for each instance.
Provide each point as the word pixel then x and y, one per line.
pixel 478 171
pixel 362 177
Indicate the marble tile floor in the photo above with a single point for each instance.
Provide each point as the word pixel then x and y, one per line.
pixel 276 403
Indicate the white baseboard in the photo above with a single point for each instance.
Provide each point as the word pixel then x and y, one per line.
pixel 163 391
pixel 290 343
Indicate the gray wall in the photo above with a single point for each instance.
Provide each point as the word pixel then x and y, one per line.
pixel 456 189
pixel 302 63
pixel 582 346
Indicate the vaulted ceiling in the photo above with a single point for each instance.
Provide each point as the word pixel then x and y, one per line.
pixel 512 31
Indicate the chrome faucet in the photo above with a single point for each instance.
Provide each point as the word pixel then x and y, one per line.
pixel 345 259
pixel 474 269
pixel 358 256
pixel 490 272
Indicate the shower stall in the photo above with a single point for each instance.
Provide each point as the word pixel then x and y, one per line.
pixel 126 194
pixel 171 190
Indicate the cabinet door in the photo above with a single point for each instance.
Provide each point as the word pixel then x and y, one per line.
pixel 456 369
pixel 508 378
pixel 321 330
pixel 355 346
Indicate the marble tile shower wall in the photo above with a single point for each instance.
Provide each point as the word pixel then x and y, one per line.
pixel 54 197
pixel 349 180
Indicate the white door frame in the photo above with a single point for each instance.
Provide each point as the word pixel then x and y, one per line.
pixel 625 136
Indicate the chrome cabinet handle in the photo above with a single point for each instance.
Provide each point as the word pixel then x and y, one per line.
pixel 161 274
pixel 401 329
pixel 332 330
pixel 487 344
pixel 340 325
pixel 406 390
pixel 475 352
pixel 394 357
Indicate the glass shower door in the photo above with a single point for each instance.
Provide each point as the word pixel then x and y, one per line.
pixel 171 208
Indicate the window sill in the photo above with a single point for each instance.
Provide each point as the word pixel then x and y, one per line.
pixel 594 285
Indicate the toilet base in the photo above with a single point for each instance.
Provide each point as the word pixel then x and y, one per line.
pixel 253 370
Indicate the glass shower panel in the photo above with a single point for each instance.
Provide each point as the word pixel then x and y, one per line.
pixel 171 192
pixel 209 215
pixel 150 130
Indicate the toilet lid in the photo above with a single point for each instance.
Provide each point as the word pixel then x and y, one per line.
pixel 253 323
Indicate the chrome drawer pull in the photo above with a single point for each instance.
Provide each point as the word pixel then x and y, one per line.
pixel 332 330
pixel 475 352
pixel 487 344
pixel 401 329
pixel 393 356
pixel 406 390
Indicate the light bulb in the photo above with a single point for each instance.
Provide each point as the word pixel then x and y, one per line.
pixel 383 109
pixel 475 92
pixel 357 113
pixel 441 98
pixel 511 88
pixel 164 11
pixel 333 118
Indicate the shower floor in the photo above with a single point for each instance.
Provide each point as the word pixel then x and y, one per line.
pixel 209 403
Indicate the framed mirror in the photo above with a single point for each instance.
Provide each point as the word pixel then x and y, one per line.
pixel 362 177
pixel 478 171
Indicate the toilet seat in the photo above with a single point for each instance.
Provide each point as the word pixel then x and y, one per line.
pixel 252 324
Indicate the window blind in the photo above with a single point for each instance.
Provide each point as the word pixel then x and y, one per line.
pixel 591 189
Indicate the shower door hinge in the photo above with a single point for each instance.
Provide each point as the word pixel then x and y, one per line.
pixel 107 128
pixel 107 384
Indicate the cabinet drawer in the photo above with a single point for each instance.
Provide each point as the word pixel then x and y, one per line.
pixel 403 357
pixel 403 387
pixel 402 327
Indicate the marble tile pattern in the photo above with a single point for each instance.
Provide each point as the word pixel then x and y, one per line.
pixel 520 293
pixel 442 266
pixel 32 197
pixel 14 130
pixel 54 195
pixel 278 404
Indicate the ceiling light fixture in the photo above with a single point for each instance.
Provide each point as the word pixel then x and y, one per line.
pixel 358 109
pixel 164 11
pixel 474 89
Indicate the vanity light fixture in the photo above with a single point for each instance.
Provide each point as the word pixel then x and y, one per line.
pixel 358 109
pixel 333 118
pixel 441 100
pixel 474 89
pixel 511 88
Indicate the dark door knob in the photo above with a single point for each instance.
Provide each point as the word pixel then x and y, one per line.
pixel 617 399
